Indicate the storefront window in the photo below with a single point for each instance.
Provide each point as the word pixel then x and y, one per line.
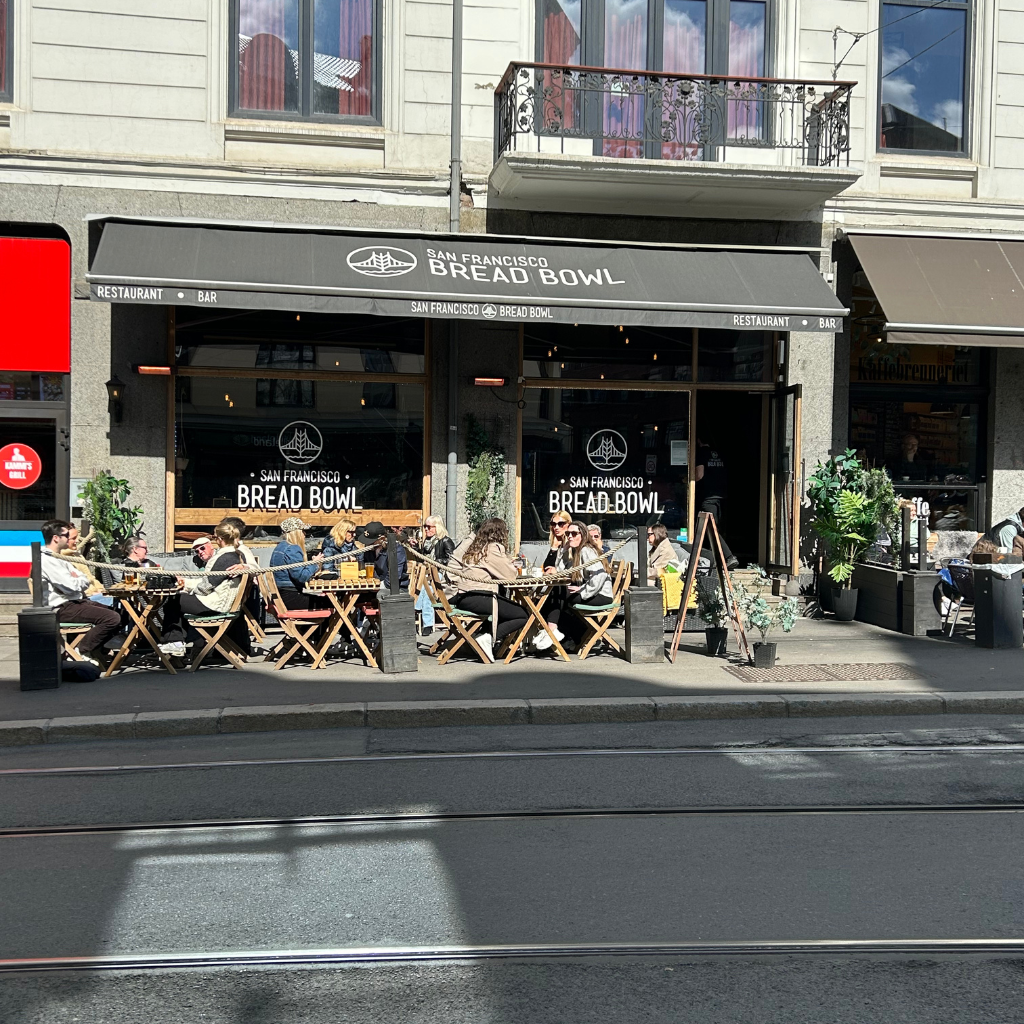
pixel 590 352
pixel 28 489
pixel 734 355
pixel 31 387
pixel 874 361
pixel 355 445
pixel 609 457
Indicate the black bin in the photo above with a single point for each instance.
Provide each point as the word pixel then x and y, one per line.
pixel 998 608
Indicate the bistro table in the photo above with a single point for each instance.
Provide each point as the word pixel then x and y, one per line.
pixel 531 592
pixel 343 593
pixel 141 603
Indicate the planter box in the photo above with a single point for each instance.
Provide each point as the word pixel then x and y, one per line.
pixel 881 595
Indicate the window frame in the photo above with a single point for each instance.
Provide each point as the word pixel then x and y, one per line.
pixel 716 55
pixel 305 113
pixel 8 55
pixel 960 5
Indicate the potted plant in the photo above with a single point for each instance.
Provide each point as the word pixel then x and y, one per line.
pixel 848 531
pixel 111 519
pixel 716 633
pixel 761 616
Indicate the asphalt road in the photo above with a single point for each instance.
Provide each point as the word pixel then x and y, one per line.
pixel 889 871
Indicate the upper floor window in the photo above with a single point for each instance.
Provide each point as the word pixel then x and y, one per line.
pixel 924 76
pixel 307 59
pixel 688 37
pixel 6 49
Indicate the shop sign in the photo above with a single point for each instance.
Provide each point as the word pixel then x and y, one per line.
pixel 20 466
pixel 612 495
pixel 291 490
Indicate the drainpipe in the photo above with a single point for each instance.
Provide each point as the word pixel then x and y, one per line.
pixel 451 488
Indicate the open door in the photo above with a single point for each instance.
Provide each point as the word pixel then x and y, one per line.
pixel 784 481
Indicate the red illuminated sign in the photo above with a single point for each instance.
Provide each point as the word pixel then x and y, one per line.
pixel 20 466
pixel 35 305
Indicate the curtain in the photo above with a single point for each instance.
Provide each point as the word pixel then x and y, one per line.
pixel 561 109
pixel 625 47
pixel 684 53
pixel 346 82
pixel 746 60
pixel 267 71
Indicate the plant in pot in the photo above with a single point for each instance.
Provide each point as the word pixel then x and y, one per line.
pixel 716 632
pixel 760 616
pixel 847 531
pixel 830 478
pixel 111 519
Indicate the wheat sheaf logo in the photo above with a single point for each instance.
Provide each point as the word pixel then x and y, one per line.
pixel 606 450
pixel 381 261
pixel 300 443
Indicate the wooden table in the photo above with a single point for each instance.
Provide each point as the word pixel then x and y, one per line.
pixel 141 604
pixel 531 592
pixel 344 595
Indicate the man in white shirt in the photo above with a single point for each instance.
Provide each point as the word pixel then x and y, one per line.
pixel 64 587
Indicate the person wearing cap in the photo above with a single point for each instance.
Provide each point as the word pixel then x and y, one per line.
pixel 291 548
pixel 377 536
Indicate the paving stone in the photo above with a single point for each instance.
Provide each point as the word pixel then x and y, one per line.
pixel 91 727
pixel 20 734
pixel 292 716
pixel 405 714
pixel 176 723
pixel 718 706
pixel 583 710
pixel 813 704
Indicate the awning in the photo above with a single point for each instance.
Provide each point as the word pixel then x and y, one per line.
pixel 476 277
pixel 946 290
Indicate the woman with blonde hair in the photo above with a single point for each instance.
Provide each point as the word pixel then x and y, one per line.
pixel 340 541
pixel 556 537
pixel 484 559
pixel 590 583
pixel 291 548
pixel 436 543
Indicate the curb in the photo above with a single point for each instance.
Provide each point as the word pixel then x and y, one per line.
pixel 547 711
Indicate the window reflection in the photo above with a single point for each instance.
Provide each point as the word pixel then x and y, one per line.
pixel 592 352
pixel 923 64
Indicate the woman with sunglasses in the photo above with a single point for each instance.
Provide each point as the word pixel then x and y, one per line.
pixel 591 584
pixel 660 552
pixel 340 541
pixel 436 543
pixel 556 537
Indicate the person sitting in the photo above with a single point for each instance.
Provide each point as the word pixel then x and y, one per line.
pixel 136 552
pixel 591 584
pixel 1003 533
pixel 595 535
pixel 207 595
pixel 243 549
pixel 341 541
pixel 483 558
pixel 660 552
pixel 291 548
pixel 556 536
pixel 377 536
pixel 436 543
pixel 64 588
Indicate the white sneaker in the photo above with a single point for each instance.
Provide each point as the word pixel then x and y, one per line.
pixel 544 642
pixel 486 644
pixel 173 650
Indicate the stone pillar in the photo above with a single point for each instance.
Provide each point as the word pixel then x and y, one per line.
pixel 1007 433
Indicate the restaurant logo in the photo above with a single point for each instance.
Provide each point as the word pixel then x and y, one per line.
pixel 300 443
pixel 606 450
pixel 381 261
pixel 490 310
pixel 20 466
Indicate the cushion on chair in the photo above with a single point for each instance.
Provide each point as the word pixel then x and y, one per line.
pixel 76 625
pixel 470 615
pixel 596 608
pixel 227 617
pixel 298 614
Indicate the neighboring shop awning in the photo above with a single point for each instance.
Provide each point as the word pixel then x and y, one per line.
pixel 476 277
pixel 949 290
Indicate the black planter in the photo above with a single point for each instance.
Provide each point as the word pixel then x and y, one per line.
pixel 844 603
pixel 764 655
pixel 717 640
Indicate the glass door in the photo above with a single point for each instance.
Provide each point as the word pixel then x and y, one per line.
pixel 783 507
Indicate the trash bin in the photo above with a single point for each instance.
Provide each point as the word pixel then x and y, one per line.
pixel 998 606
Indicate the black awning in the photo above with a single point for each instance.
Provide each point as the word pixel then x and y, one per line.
pixel 478 277
pixel 949 290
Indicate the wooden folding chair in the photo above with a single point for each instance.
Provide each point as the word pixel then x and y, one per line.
pixel 429 579
pixel 599 617
pixel 298 625
pixel 459 625
pixel 71 634
pixel 213 629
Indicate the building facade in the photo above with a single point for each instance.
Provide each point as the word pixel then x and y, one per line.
pixel 779 227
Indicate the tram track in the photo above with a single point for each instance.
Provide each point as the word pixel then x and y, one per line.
pixel 420 954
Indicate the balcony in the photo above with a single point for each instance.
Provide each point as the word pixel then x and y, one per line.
pixel 600 140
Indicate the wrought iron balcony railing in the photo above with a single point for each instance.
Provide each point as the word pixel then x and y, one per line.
pixel 662 116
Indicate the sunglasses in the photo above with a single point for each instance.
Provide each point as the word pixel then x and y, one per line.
pixel 573 533
pixel 556 523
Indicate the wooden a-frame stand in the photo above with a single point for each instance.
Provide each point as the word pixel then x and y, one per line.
pixel 706 525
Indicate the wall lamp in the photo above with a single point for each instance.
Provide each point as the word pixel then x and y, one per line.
pixel 489 382
pixel 115 394
pixel 152 371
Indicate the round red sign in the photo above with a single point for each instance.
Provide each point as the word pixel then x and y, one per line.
pixel 20 466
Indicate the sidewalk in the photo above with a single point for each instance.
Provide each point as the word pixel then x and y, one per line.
pixel 822 666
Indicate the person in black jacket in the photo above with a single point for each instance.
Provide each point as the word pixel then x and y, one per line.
pixel 436 543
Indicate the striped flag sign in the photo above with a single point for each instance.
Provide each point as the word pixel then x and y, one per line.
pixel 16 553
